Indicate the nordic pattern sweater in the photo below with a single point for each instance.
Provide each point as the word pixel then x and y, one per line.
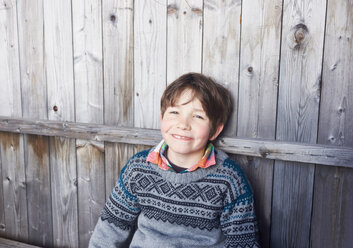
pixel 150 207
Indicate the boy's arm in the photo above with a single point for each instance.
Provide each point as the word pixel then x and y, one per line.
pixel 116 225
pixel 238 222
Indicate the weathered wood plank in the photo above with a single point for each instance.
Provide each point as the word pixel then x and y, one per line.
pixel 6 243
pixel 34 105
pixel 184 39
pixel 2 203
pixel 13 201
pixel 88 72
pixel 332 220
pixel 221 47
pixel 10 97
pixel 14 187
pixel 282 150
pixel 149 61
pixel 259 67
pixel 59 72
pixel 298 106
pixel 118 82
pixel 64 191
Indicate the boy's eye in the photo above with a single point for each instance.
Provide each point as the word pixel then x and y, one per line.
pixel 174 112
pixel 199 117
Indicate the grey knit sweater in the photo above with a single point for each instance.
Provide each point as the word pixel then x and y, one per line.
pixel 150 207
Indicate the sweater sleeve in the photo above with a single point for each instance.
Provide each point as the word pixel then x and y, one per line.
pixel 117 222
pixel 238 219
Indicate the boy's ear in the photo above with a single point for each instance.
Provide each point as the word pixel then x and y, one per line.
pixel 218 131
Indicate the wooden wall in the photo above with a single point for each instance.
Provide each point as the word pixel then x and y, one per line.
pixel 287 64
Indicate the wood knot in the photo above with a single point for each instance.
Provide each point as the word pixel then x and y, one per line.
pixel 250 69
pixel 55 108
pixel 172 9
pixel 299 36
pixel 113 18
pixel 197 11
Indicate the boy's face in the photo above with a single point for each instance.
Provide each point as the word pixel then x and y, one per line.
pixel 185 128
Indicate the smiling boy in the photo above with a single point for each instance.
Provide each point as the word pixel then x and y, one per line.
pixel 184 192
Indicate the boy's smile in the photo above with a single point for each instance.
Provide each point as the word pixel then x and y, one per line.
pixel 185 128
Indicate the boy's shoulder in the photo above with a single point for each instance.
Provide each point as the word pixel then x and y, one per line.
pixel 228 170
pixel 138 160
pixel 226 163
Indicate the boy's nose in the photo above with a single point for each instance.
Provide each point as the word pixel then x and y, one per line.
pixel 184 124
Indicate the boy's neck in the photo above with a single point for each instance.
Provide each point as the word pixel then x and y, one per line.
pixel 187 161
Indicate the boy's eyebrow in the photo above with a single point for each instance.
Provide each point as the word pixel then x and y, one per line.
pixel 195 109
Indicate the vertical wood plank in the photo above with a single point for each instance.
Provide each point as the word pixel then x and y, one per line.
pixel 184 41
pixel 118 81
pixel 59 73
pixel 149 61
pixel 13 201
pixel 259 68
pixel 2 202
pixel 15 222
pixel 332 221
pixel 88 73
pixel 221 48
pixel 34 105
pixel 298 105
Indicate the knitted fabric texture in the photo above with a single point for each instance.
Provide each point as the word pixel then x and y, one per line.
pixel 150 207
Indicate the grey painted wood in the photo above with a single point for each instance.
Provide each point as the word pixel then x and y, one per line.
pixel 7 243
pixel 2 203
pixel 150 58
pixel 221 49
pixel 34 105
pixel 118 82
pixel 13 200
pixel 15 224
pixel 270 149
pixel 88 74
pixel 298 107
pixel 259 68
pixel 332 220
pixel 184 37
pixel 59 72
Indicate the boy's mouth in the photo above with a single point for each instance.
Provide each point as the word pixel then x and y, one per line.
pixel 180 137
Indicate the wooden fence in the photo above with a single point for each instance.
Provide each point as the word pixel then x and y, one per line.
pixel 80 83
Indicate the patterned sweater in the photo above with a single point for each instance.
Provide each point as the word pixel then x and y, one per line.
pixel 150 207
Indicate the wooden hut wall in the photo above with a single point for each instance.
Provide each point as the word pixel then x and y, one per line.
pixel 287 64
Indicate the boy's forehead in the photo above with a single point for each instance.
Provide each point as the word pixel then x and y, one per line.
pixel 188 96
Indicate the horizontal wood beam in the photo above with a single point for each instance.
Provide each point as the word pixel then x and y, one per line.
pixel 271 149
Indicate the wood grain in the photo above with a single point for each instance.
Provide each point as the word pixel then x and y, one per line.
pixel 297 119
pixel 270 149
pixel 13 200
pixel 333 187
pixel 221 49
pixel 149 61
pixel 7 243
pixel 88 73
pixel 59 71
pixel 184 39
pixel 34 105
pixel 258 84
pixel 118 56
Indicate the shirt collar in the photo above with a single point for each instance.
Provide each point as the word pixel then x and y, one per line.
pixel 157 156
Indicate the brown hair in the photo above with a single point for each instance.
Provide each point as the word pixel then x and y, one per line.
pixel 215 99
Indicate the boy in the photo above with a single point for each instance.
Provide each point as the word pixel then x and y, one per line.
pixel 183 192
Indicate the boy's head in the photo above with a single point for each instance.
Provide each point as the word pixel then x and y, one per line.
pixel 215 99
